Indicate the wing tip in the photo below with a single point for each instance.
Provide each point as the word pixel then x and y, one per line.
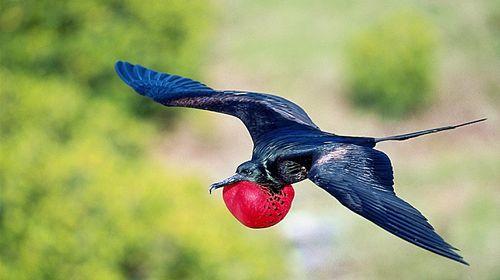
pixel 455 256
pixel 132 74
pixel 125 71
pixel 460 259
pixel 139 78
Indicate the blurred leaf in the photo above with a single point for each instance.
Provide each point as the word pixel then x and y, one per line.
pixel 80 196
pixel 81 40
pixel 390 65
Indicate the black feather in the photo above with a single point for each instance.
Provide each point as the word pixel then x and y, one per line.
pixel 261 113
pixel 361 179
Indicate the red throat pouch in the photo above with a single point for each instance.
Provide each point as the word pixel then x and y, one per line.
pixel 256 206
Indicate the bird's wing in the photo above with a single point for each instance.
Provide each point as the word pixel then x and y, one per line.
pixel 361 179
pixel 259 112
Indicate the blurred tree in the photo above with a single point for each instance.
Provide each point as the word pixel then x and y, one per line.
pixel 80 197
pixel 79 40
pixel 390 65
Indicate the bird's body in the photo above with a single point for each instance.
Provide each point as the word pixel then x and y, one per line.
pixel 289 147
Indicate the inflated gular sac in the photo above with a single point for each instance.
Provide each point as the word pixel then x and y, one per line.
pixel 256 206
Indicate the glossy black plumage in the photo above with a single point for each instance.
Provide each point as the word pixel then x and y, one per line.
pixel 361 179
pixel 289 147
pixel 261 113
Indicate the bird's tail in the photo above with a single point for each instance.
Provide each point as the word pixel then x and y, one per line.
pixel 406 136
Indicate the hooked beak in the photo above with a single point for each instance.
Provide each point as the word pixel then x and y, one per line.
pixel 233 179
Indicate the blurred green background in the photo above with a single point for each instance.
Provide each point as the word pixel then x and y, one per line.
pixel 97 182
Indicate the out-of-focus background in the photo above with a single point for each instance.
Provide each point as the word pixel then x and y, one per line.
pixel 97 182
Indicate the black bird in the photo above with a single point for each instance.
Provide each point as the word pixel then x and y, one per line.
pixel 289 147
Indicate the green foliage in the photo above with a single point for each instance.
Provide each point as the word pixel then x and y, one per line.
pixel 80 197
pixel 390 65
pixel 79 40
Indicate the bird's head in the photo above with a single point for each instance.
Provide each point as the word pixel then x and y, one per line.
pixel 253 171
pixel 249 171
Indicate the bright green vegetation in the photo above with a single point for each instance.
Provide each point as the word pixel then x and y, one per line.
pixel 80 195
pixel 79 41
pixel 391 65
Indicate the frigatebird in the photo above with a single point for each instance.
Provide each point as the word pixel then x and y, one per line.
pixel 289 148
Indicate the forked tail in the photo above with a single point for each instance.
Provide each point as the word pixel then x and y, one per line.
pixel 402 137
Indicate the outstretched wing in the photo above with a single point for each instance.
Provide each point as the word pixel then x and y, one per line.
pixel 361 179
pixel 259 112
